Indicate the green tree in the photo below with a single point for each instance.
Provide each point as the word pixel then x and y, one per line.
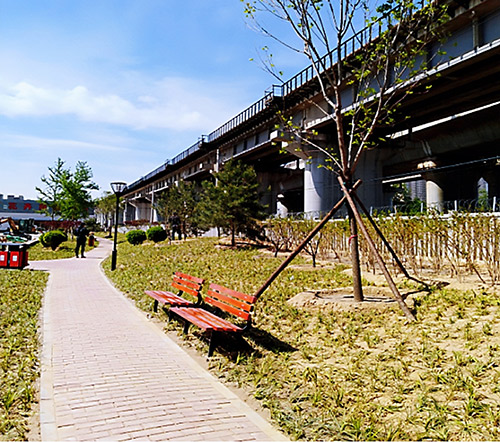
pixel 404 202
pixel 51 194
pixel 68 193
pixel 106 207
pixel 77 200
pixel 233 201
pixel 378 66
pixel 183 200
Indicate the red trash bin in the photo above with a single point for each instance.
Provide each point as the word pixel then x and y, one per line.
pixel 15 260
pixel 4 259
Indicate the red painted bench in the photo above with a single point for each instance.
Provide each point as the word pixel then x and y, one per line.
pixel 238 304
pixel 186 284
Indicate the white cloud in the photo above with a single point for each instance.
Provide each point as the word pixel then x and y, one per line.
pixel 171 103
pixel 52 144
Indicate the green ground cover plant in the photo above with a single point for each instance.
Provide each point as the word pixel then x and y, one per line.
pixel 20 302
pixel 352 374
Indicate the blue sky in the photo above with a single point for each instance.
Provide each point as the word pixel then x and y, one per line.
pixel 121 84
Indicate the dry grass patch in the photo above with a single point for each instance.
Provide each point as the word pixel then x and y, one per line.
pixel 20 302
pixel 349 374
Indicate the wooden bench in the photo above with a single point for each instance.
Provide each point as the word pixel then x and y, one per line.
pixel 226 300
pixel 186 284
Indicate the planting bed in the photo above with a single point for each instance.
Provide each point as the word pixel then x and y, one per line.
pixel 353 373
pixel 20 301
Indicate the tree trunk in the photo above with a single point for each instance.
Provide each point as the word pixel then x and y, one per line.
pixel 356 266
pixel 378 257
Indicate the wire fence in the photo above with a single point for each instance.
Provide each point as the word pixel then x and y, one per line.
pixel 456 244
pixel 478 205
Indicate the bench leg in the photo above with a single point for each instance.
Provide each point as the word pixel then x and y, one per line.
pixel 186 327
pixel 155 306
pixel 212 343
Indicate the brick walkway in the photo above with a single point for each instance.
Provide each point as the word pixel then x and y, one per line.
pixel 110 374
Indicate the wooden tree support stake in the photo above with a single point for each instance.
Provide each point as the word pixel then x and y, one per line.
pixel 386 243
pixel 301 246
pixel 373 248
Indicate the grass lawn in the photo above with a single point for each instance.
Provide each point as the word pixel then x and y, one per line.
pixel 20 302
pixel 329 374
pixel 65 250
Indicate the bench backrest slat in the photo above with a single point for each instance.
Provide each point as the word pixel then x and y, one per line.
pixel 187 283
pixel 237 303
pixel 235 294
pixel 194 279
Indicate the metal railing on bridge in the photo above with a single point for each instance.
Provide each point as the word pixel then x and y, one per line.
pixel 478 205
pixel 170 162
pixel 347 48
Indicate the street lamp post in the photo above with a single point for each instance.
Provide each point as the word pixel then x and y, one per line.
pixel 117 190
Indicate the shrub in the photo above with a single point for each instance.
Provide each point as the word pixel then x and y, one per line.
pixel 156 234
pixel 136 237
pixel 53 239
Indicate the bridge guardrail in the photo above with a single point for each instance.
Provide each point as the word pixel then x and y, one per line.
pixel 354 43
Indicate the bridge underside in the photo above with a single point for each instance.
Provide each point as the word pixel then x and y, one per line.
pixel 449 148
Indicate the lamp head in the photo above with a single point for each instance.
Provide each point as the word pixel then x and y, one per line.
pixel 118 187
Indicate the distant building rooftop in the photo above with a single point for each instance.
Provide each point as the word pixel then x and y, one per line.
pixel 16 207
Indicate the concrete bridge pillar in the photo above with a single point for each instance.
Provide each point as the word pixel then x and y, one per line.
pixel 318 186
pixel 434 195
pixel 153 213
pixel 142 210
pixel 433 186
pixel 281 208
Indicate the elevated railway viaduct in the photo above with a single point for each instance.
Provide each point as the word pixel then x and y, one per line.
pixel 449 143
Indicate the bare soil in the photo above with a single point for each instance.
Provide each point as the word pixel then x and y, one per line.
pixel 377 294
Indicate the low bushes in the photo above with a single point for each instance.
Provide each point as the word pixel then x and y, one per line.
pixel 53 239
pixel 136 237
pixel 156 234
pixel 457 244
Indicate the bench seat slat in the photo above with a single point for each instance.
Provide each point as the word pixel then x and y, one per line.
pixel 185 288
pixel 198 281
pixel 205 320
pixel 168 298
pixel 186 284
pixel 221 296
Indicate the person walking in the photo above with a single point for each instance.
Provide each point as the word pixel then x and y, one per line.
pixel 81 234
pixel 175 225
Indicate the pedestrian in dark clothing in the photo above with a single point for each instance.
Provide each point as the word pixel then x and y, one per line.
pixel 81 234
pixel 175 225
